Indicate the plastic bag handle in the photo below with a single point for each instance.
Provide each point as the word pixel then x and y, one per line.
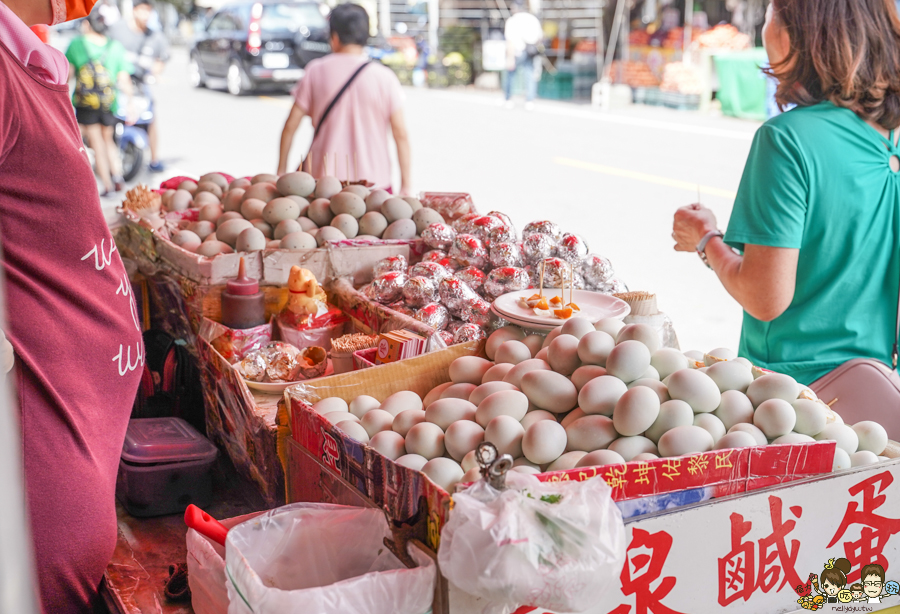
pixel 205 524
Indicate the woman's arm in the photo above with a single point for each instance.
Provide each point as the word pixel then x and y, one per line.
pixel 287 137
pixel 401 138
pixel 762 280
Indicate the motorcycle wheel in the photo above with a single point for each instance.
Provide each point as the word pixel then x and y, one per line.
pixel 132 161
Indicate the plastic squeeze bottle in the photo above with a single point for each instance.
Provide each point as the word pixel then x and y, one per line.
pixel 243 305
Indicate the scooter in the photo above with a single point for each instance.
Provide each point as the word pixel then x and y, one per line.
pixel 133 140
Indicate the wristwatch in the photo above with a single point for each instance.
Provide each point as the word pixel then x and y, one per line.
pixel 701 246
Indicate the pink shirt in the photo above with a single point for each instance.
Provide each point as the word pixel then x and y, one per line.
pixel 359 123
pixel 44 61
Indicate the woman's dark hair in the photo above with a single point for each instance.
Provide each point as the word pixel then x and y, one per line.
pixel 845 51
pixel 97 23
pixel 872 570
pixel 351 24
pixel 837 575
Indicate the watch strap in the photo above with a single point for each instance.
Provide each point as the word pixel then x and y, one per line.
pixel 701 246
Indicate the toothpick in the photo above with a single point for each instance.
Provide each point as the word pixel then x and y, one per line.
pixel 698 193
pixel 542 279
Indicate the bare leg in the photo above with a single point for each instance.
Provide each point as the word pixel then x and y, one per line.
pixel 101 157
pixel 115 160
pixel 153 134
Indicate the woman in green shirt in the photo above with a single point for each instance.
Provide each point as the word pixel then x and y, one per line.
pixel 817 214
pixel 100 69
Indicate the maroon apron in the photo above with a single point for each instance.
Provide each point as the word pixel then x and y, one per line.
pixel 72 321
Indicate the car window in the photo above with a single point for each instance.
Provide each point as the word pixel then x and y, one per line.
pixel 291 17
pixel 222 22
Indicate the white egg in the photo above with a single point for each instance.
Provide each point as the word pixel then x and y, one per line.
pixel 794 438
pixel 636 411
pixel 328 233
pixel 503 403
pixel 263 227
pixel 444 472
pixel 644 333
pixel 712 424
pixel 211 249
pixel 646 456
pixel 594 348
pixel 811 416
pixel 734 407
pixel 469 370
pixel 571 417
pixel 500 336
pixel 319 211
pixel 485 390
pixel 536 415
pixel 512 352
pixel 407 419
pixel 425 439
pixel 754 431
pixel 389 444
pixel 376 420
pixel 412 461
pixel 863 458
pixel 435 394
pixel 590 433
pixel 553 334
pixel 202 229
pixel 506 434
pixel 628 360
pixel 661 390
pixel 550 390
pixel 253 208
pixel 401 401
pixel 186 239
pixel 462 437
pixel 872 436
pixel 346 224
pixel 841 460
pixel 671 414
pixel 696 389
pixel 544 442
pixel 445 412
pixel 396 209
pixel 250 240
pixel 328 186
pixel 473 475
pixel 577 327
pixel 363 403
pixel 225 217
pixel 331 404
pixel 401 230
pixel 497 373
pixel 610 326
pixel 773 386
pixel 565 462
pixel 458 391
pixel 563 354
pixel 375 199
pixel 534 343
pixel 667 361
pixel 730 376
pixel 354 430
pixel 516 374
pixel 600 395
pixel 279 210
pixel 543 354
pixel 469 462
pixel 685 440
pixel 372 223
pixel 630 447
pixel 845 436
pixel 229 230
pixel 600 458
pixel 524 462
pixel 335 417
pixel 347 203
pixel 526 469
pixel 775 417
pixel 425 217
pixel 298 241
pixel 585 374
pixel 736 439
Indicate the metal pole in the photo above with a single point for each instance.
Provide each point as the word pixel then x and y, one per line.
pixel 688 27
pixel 18 586
pixel 613 37
pixel 599 46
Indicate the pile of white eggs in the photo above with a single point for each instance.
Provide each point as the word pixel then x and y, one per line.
pixel 292 212
pixel 592 395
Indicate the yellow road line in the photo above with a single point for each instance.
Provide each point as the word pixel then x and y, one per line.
pixel 277 102
pixel 645 177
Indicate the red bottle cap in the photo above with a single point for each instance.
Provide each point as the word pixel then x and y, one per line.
pixel 242 285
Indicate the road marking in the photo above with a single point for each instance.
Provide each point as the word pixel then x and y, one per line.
pixel 610 118
pixel 644 177
pixel 286 104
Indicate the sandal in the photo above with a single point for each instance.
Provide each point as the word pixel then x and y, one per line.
pixel 177 589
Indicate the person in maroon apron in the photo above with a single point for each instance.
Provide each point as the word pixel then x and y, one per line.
pixel 70 315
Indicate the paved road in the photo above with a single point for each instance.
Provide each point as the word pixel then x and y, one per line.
pixel 615 178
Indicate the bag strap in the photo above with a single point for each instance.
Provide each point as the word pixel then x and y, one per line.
pixel 331 106
pixel 895 352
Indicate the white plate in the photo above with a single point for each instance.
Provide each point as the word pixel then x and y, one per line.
pixel 271 388
pixel 528 325
pixel 594 306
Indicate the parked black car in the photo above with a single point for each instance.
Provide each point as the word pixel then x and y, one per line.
pixel 256 45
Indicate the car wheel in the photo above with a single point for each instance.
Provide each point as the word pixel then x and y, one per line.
pixel 235 79
pixel 196 75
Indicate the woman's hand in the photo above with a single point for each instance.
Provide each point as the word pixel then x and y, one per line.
pixel 691 225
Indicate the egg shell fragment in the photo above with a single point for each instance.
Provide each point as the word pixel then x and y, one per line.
pixel 506 434
pixel 550 390
pixel 544 442
pixel 590 433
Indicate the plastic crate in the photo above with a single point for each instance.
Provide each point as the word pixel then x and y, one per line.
pixel 556 87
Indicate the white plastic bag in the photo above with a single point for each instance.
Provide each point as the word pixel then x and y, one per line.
pixel 322 559
pixel 206 570
pixel 553 545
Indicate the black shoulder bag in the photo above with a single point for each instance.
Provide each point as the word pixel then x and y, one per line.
pixel 328 111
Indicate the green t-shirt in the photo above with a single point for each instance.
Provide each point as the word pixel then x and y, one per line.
pixel 111 55
pixel 819 179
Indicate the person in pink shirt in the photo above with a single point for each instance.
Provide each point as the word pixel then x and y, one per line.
pixel 353 140
pixel 71 318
